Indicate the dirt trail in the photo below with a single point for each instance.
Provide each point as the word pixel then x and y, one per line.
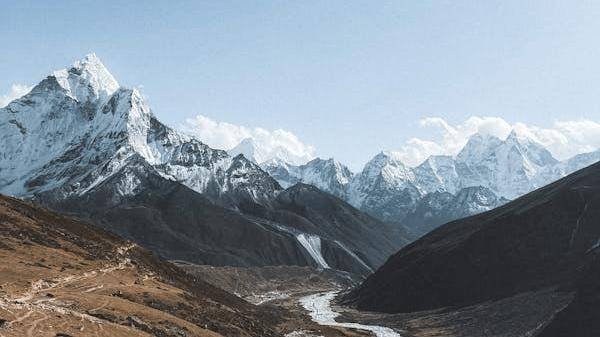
pixel 35 305
pixel 35 323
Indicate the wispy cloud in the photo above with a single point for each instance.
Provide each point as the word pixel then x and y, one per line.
pixel 272 143
pixel 563 139
pixel 16 91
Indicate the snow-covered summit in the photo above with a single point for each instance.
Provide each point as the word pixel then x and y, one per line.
pixel 497 169
pixel 87 79
pixel 509 167
pixel 478 146
pixel 263 152
pixel 77 128
pixel 388 167
pixel 437 173
pixel 328 175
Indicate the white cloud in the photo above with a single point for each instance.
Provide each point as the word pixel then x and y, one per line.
pixel 16 91
pixel 272 144
pixel 563 139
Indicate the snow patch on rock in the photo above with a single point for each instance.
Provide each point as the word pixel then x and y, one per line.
pixel 312 244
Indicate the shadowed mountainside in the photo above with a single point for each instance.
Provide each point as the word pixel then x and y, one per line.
pixel 548 238
pixel 61 276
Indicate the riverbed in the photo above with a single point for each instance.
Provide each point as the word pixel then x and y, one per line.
pixel 319 307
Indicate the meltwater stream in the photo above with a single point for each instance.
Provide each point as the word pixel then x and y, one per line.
pixel 319 306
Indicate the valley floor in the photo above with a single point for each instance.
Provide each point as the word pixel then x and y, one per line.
pixel 89 299
pixel 319 306
pixel 309 297
pixel 85 299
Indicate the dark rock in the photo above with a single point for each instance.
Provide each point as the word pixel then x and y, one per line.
pixel 540 240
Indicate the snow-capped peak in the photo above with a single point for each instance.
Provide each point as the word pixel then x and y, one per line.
pixel 532 150
pixel 327 174
pixel 329 169
pixel 78 128
pixel 387 165
pixel 478 146
pixel 87 80
pixel 248 148
pixel 263 152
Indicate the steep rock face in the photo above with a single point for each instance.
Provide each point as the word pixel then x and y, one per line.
pixel 75 128
pixel 385 188
pixel 328 175
pixel 80 143
pixel 340 223
pixel 539 240
pixel 485 174
pixel 437 208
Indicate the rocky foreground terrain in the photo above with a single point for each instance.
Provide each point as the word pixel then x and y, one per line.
pixel 60 277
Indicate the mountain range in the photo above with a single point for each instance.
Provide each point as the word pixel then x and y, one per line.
pixel 499 240
pixel 80 143
pixel 536 254
pixel 485 174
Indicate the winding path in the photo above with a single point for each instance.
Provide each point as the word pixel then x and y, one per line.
pixel 319 306
pixel 28 300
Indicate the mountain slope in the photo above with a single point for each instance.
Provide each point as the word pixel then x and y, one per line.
pixel 75 128
pixel 539 240
pixel 61 277
pixel 178 223
pixel 338 225
pixel 486 173
pixel 437 208
pixel 385 188
pixel 328 175
pixel 81 144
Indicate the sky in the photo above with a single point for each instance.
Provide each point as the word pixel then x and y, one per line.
pixel 343 79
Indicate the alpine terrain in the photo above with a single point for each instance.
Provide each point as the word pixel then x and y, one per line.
pixel 80 143
pixel 534 258
pixel 485 174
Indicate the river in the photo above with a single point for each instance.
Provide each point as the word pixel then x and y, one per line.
pixel 319 306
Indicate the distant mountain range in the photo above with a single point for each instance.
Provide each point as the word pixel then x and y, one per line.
pixel 538 254
pixel 81 143
pixel 485 174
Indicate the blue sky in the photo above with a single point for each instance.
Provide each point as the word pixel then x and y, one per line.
pixel 349 77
